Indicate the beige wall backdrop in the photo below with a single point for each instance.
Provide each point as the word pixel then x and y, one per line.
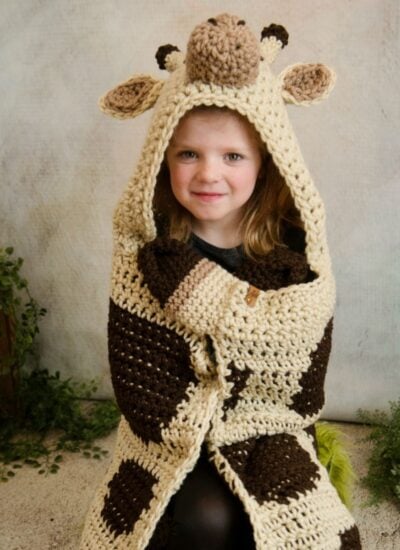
pixel 64 164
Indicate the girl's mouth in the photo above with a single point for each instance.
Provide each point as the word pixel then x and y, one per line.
pixel 208 196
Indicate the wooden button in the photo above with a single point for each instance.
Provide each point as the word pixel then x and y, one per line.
pixel 252 295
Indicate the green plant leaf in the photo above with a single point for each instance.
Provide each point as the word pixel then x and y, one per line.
pixel 383 476
pixel 333 455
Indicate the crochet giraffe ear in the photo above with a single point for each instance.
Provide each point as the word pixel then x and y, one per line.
pixel 304 84
pixel 132 97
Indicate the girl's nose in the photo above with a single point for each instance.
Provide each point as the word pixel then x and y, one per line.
pixel 208 171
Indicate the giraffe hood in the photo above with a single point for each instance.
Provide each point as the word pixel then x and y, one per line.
pixel 200 356
pixel 225 65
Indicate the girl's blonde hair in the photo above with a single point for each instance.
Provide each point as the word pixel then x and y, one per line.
pixel 269 211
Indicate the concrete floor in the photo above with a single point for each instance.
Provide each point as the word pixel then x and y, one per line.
pixel 43 513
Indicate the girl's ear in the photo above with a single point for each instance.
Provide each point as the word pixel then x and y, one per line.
pixel 132 97
pixel 305 84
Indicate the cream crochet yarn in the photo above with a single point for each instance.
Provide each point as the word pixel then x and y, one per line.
pixel 198 354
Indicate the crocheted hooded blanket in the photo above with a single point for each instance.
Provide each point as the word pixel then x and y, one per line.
pixel 236 361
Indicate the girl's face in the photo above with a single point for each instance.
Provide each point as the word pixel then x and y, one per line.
pixel 213 159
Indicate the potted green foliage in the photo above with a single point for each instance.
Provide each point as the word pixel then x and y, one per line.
pixel 41 415
pixel 383 476
pixel 19 316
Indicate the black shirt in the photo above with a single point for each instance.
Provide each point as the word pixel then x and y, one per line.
pixel 228 258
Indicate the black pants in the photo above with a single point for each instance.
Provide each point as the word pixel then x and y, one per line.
pixel 207 515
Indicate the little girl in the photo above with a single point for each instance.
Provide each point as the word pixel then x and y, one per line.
pixel 221 310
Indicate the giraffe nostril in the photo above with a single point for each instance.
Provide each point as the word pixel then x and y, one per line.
pixel 241 22
pixel 213 21
pixel 238 46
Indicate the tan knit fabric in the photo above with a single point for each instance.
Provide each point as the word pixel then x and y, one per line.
pixel 223 51
pixel 131 98
pixel 198 354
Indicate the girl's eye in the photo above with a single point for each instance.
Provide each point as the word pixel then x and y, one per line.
pixel 234 156
pixel 187 155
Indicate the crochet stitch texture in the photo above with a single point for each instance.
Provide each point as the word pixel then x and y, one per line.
pixel 198 354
